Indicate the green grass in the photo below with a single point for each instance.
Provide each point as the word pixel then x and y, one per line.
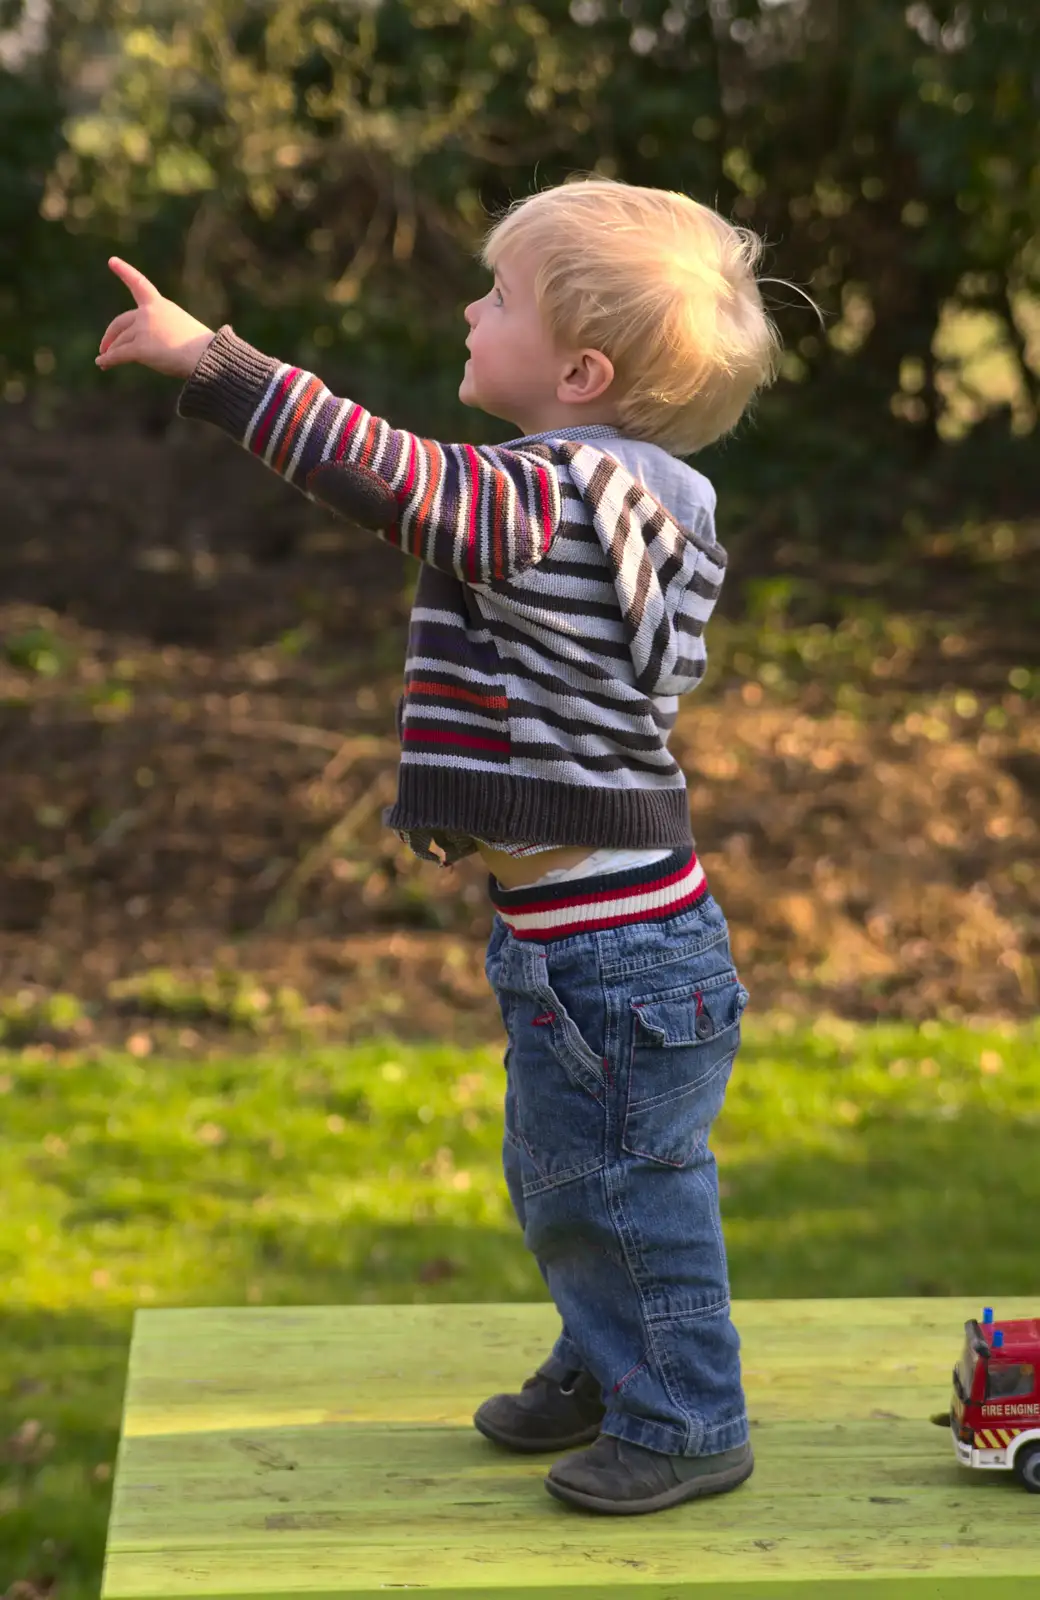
pixel 855 1161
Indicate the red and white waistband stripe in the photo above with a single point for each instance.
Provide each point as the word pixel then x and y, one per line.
pixel 609 901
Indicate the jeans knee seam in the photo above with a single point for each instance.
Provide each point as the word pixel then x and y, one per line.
pixel 653 1350
pixel 623 1233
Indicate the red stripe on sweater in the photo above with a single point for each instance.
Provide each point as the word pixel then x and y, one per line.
pixel 547 531
pixel 265 426
pixel 498 493
pixel 368 444
pixel 468 741
pixel 409 477
pixel 347 434
pixel 472 564
pixel 436 464
pixel 295 422
pixel 494 702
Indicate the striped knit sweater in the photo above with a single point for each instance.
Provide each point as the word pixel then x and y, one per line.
pixel 559 613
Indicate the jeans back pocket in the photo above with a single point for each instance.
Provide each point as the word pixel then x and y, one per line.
pixel 683 1044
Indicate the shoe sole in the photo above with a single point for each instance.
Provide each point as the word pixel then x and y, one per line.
pixel 694 1489
pixel 531 1447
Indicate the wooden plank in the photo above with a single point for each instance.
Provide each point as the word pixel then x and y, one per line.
pixel 328 1451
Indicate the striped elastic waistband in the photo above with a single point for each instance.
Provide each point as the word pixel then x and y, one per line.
pixel 585 905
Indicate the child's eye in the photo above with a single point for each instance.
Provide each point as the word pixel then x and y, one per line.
pixel 498 297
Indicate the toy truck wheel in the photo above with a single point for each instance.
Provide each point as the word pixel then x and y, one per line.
pixel 1027 1467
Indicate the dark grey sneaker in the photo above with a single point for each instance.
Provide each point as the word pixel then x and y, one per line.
pixel 624 1479
pixel 552 1412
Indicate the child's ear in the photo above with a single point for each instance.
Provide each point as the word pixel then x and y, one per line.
pixel 588 376
pixel 355 493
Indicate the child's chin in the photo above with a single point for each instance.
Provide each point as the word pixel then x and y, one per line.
pixel 468 393
pixel 470 396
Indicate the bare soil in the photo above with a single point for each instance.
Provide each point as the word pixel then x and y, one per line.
pixel 197 678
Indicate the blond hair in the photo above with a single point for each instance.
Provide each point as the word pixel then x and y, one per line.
pixel 664 287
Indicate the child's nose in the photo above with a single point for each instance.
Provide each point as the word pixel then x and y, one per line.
pixel 470 313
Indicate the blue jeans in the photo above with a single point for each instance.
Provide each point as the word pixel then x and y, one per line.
pixel 620 1047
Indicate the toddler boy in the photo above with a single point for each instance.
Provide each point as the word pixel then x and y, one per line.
pixel 567 578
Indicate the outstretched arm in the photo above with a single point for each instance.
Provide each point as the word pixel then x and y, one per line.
pixel 479 512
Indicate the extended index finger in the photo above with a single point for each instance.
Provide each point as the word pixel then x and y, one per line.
pixel 142 288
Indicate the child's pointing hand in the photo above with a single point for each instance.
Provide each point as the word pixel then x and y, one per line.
pixel 157 334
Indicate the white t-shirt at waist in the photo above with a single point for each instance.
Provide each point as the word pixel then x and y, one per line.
pixel 601 862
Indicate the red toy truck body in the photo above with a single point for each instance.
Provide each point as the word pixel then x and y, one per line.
pixel 995 1415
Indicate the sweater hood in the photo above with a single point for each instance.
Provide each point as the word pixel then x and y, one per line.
pixel 654 518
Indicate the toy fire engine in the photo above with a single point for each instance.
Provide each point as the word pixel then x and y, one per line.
pixel 995 1414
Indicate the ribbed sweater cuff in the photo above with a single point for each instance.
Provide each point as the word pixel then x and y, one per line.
pixel 228 384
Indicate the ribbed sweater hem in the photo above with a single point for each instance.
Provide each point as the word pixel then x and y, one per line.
pixel 492 805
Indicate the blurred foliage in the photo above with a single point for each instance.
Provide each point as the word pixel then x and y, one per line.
pixel 34 1018
pixel 37 650
pixel 234 999
pixel 320 175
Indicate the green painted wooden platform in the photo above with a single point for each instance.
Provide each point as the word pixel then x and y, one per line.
pixel 328 1451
